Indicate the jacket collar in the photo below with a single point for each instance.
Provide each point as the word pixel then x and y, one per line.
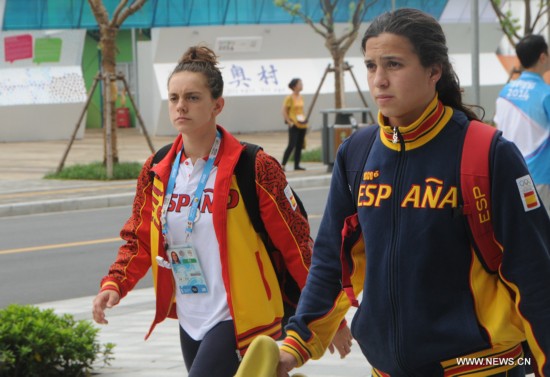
pixel 421 131
pixel 163 168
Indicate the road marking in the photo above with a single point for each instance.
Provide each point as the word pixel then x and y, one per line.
pixel 59 246
pixel 80 243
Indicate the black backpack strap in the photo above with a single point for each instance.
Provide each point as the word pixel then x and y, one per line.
pixel 246 180
pixel 355 158
pixel 160 154
pixel 245 172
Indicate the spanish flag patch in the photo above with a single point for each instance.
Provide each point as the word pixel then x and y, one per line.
pixel 290 196
pixel 528 193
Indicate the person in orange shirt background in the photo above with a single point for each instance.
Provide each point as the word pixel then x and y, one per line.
pixel 295 119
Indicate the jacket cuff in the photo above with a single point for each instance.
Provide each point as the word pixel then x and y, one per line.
pixel 297 347
pixel 110 286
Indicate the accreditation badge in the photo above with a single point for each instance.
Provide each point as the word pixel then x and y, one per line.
pixel 187 269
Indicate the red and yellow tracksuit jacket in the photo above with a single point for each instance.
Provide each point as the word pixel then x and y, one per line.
pixel 253 292
pixel 429 307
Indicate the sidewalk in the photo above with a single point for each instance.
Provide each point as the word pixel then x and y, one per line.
pixel 24 164
pixel 23 191
pixel 160 355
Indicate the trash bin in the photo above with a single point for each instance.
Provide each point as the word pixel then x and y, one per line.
pixel 343 127
pixel 333 135
pixel 340 133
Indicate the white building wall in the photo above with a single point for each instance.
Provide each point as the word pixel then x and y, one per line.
pixel 296 51
pixel 293 50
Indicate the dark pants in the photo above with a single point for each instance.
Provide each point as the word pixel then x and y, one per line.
pixel 213 356
pixel 296 138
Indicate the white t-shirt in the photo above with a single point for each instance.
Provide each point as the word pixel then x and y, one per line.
pixel 198 313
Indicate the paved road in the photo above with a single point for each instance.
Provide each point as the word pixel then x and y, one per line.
pixel 63 255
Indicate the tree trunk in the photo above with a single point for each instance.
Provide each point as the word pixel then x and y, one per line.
pixel 337 46
pixel 108 67
pixel 338 80
pixel 527 27
pixel 108 31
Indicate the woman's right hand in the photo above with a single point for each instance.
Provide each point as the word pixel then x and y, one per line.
pixel 287 362
pixel 105 299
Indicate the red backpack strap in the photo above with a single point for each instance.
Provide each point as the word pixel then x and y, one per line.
pixel 350 232
pixel 475 181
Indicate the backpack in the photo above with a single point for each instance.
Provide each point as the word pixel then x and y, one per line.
pixel 245 171
pixel 475 187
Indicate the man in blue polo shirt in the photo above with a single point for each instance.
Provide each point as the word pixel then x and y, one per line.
pixel 523 112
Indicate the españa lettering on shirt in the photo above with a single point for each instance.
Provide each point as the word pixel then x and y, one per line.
pixel 432 193
pixel 179 201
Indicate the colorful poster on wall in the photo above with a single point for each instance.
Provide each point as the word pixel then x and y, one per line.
pixel 18 47
pixel 47 50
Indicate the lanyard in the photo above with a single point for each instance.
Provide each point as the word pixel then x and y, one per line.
pixel 198 192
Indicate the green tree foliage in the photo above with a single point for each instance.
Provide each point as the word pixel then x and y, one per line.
pixel 511 24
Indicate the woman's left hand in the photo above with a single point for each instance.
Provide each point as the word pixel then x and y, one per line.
pixel 342 342
pixel 287 362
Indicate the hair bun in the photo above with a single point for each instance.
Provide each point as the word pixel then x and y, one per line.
pixel 199 54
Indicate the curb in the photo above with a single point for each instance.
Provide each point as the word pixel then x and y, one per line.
pixel 318 180
pixel 59 205
pixel 115 200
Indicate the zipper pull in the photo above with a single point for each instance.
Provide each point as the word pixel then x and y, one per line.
pixel 395 138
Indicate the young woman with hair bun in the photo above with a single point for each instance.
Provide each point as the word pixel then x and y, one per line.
pixel 220 285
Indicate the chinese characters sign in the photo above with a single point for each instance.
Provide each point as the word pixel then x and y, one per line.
pixel 270 76
pixel 238 44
